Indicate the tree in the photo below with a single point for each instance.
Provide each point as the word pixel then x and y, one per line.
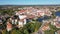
pixel 49 32
pixel 33 26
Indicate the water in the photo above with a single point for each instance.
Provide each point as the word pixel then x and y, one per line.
pixel 46 17
pixel 43 18
pixel 57 13
pixel 27 20
pixel 40 19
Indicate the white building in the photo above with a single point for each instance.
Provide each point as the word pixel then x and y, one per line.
pixel 22 19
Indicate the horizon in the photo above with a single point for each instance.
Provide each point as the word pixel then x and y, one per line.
pixel 29 2
pixel 36 5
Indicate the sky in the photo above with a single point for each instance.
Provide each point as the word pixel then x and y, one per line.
pixel 29 2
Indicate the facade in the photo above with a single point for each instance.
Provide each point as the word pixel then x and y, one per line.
pixel 22 18
pixel 58 32
pixel 9 26
pixel 56 22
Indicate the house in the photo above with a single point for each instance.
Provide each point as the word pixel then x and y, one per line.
pixel 9 26
pixel 40 12
pixel 57 25
pixel 56 22
pixel 58 32
pixel 22 18
pixel 47 12
pixel 45 26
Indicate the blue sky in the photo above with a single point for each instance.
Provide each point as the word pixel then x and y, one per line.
pixel 29 2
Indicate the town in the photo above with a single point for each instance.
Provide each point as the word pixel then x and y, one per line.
pixel 30 20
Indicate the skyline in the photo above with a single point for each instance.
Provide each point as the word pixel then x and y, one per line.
pixel 29 2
